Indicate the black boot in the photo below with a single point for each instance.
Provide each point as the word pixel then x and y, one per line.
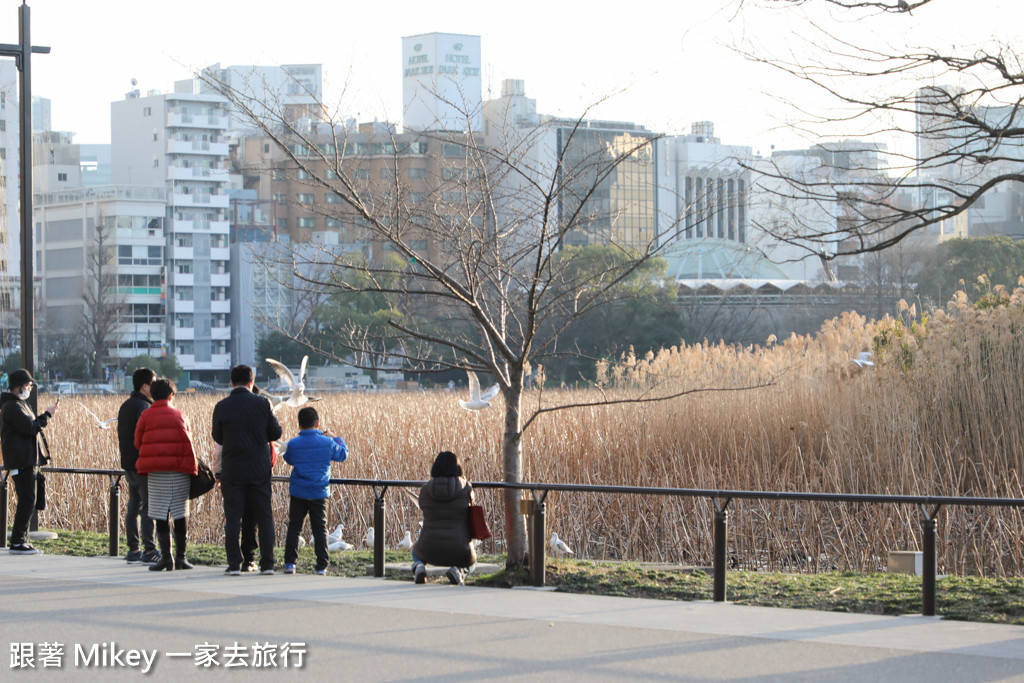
pixel 163 533
pixel 179 544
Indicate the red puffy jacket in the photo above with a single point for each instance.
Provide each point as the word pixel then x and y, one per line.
pixel 164 440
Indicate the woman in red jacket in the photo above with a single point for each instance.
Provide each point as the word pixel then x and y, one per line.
pixel 166 456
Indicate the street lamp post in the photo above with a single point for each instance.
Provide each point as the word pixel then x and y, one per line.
pixel 22 53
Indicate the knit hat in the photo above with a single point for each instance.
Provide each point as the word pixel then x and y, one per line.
pixel 18 378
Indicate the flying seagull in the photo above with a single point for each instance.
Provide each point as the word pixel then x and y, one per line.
pixel 100 424
pixel 477 400
pixel 296 396
pixel 863 359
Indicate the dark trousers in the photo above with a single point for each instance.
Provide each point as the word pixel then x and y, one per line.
pixel 254 498
pixel 136 513
pixel 249 542
pixel 25 488
pixel 298 508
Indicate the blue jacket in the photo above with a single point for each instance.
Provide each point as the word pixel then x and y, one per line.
pixel 310 454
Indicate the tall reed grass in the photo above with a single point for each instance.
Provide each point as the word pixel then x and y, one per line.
pixel 940 414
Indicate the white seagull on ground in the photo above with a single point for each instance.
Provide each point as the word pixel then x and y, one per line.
pixel 335 535
pixel 296 387
pixel 339 545
pixel 100 424
pixel 406 542
pixel 478 400
pixel 558 546
pixel 368 538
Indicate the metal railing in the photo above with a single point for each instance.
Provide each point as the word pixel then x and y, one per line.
pixel 534 509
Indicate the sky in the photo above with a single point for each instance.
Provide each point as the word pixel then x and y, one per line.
pixel 664 65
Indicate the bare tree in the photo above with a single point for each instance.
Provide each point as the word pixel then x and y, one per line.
pixel 464 258
pixel 957 108
pixel 104 306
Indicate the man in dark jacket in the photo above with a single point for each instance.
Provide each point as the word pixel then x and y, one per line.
pixel 24 449
pixel 127 419
pixel 244 425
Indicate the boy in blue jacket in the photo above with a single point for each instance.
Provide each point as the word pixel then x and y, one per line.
pixel 310 454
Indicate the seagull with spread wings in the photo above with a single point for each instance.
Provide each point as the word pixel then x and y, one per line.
pixel 478 400
pixel 297 387
pixel 100 424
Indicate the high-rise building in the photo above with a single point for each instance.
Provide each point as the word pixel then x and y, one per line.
pixel 177 140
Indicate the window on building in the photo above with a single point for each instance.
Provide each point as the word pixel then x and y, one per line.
pixel 387 173
pixel 302 175
pixel 156 137
pixel 333 223
pixel 304 198
pixel 280 197
pixel 307 222
pixel 282 224
pixel 62 177
pixel 3 125
pixel 147 111
pixel 332 198
pixel 156 163
pixel 450 150
pixel 266 148
pixel 363 173
pixel 417 173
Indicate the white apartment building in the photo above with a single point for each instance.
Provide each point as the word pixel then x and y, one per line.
pixel 177 140
pixel 127 223
pixel 293 90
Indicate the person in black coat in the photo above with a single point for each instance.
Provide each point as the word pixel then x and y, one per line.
pixel 127 419
pixel 444 539
pixel 24 449
pixel 244 425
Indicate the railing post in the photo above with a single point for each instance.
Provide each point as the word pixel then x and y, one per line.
pixel 537 545
pixel 928 561
pixel 3 509
pixel 721 547
pixel 378 531
pixel 113 514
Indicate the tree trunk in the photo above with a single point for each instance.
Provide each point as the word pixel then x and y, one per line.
pixel 512 464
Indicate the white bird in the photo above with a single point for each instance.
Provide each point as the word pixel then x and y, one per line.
pixel 280 447
pixel 100 424
pixel 406 542
pixel 558 546
pixel 296 387
pixel 863 359
pixel 335 535
pixel 368 538
pixel 302 541
pixel 477 400
pixel 339 545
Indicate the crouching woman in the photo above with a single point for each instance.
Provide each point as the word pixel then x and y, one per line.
pixel 444 539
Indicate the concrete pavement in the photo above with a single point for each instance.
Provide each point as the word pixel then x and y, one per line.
pixel 202 623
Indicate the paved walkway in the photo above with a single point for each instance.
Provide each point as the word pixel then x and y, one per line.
pixel 99 610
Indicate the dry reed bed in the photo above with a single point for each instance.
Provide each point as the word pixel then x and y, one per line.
pixel 949 423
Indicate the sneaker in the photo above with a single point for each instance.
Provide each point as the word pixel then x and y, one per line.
pixel 289 568
pixel 134 557
pixel 249 567
pixel 151 557
pixel 24 549
pixel 454 576
pixel 267 572
pixel 419 573
pixel 232 572
pixel 321 572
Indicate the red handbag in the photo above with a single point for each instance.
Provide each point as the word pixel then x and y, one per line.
pixel 477 524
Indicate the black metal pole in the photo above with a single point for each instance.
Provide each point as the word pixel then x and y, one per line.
pixel 3 509
pixel 928 563
pixel 721 549
pixel 537 559
pixel 112 515
pixel 378 533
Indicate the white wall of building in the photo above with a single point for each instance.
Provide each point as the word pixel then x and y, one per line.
pixel 441 82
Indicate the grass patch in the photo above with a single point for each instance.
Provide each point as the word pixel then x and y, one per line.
pixel 966 598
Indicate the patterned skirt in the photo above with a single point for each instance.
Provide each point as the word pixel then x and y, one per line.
pixel 168 494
